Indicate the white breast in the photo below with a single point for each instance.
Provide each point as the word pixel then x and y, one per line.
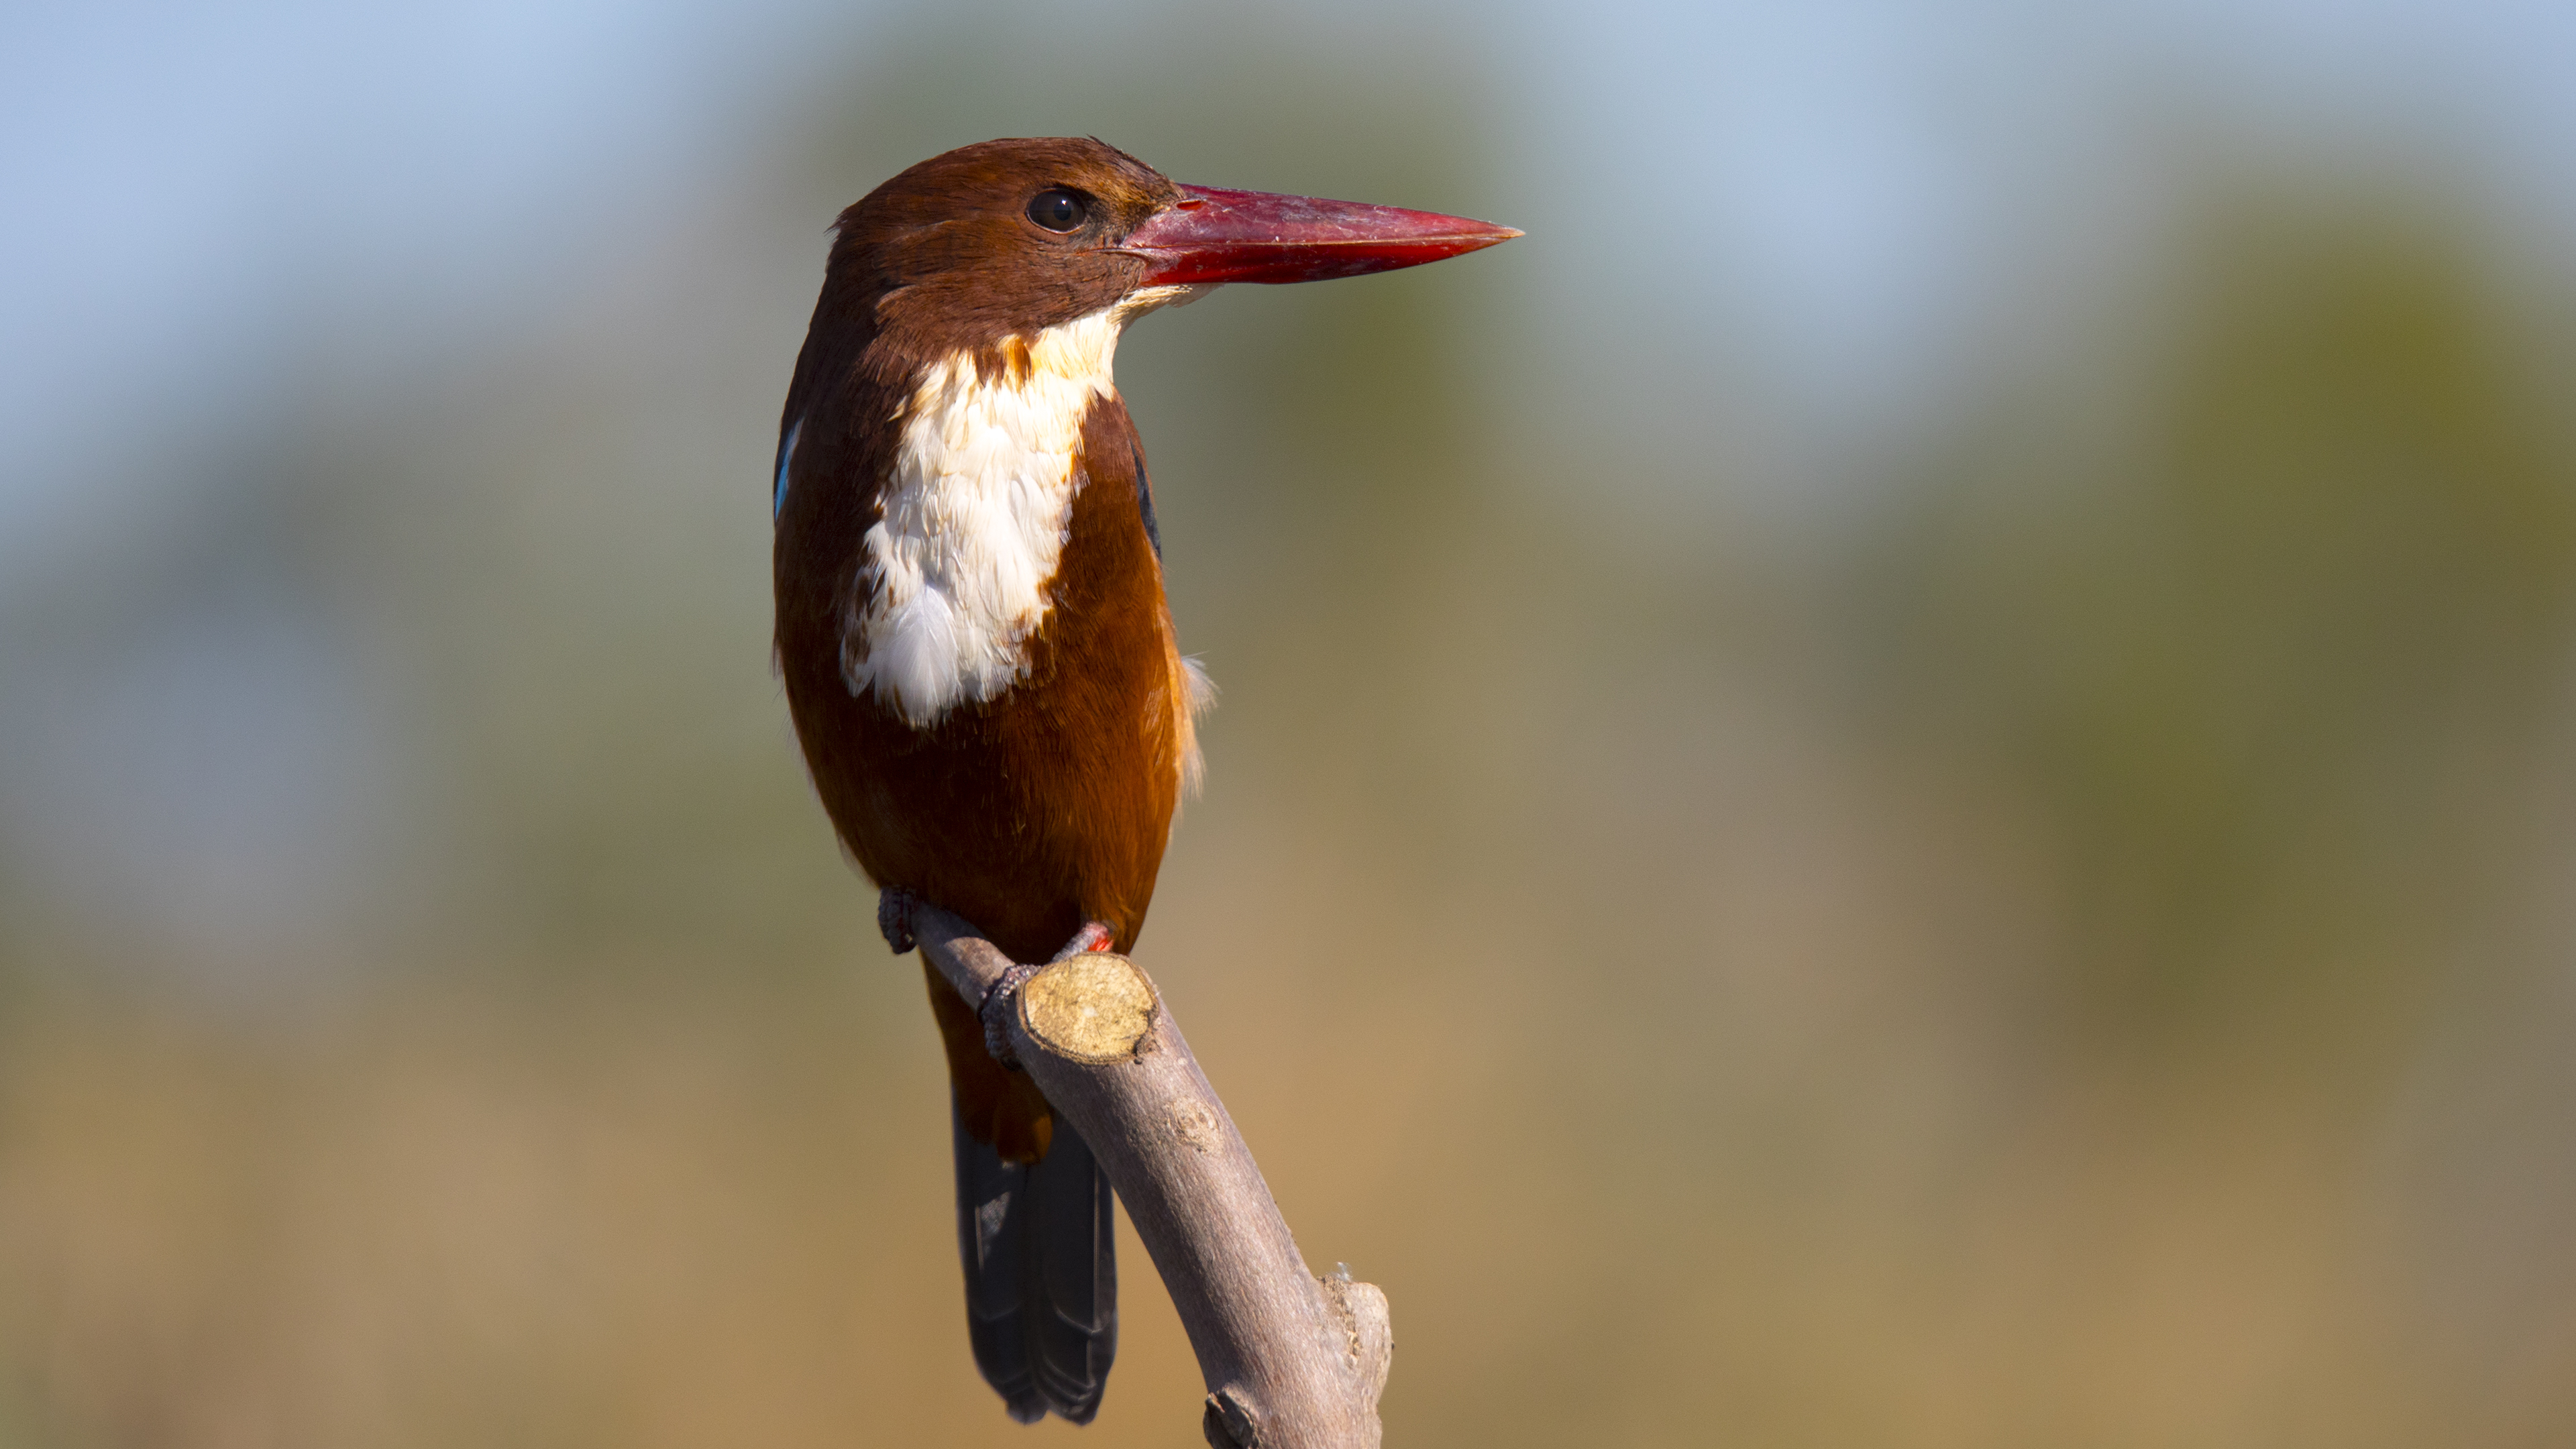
pixel 954 576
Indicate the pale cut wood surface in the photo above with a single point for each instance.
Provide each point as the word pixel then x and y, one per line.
pixel 1291 1361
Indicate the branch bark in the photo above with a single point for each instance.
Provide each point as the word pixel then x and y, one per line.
pixel 1291 1361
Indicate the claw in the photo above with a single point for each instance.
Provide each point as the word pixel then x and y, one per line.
pixel 997 1000
pixel 1092 937
pixel 894 918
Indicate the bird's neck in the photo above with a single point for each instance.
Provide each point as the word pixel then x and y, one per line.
pixel 973 518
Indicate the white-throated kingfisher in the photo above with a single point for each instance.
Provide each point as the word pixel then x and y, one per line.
pixel 972 630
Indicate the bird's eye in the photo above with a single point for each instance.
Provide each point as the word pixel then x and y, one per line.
pixel 1057 209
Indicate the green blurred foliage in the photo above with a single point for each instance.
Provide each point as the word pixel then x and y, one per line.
pixel 2274 639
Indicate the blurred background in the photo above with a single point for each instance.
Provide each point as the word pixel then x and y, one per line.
pixel 1906 782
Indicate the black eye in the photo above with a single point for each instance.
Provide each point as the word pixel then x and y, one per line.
pixel 1057 209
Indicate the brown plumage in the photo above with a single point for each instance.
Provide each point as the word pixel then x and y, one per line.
pixel 972 630
pixel 1038 811
pixel 1049 806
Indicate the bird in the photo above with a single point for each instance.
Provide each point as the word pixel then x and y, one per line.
pixel 973 636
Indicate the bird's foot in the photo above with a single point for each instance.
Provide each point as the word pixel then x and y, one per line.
pixel 997 1034
pixel 894 918
pixel 1092 937
pixel 997 1002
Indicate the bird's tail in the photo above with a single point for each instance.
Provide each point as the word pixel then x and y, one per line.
pixel 1034 1229
pixel 1041 1274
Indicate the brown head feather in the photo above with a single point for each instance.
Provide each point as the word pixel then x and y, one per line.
pixel 944 257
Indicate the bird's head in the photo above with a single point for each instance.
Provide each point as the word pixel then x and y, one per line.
pixel 1010 238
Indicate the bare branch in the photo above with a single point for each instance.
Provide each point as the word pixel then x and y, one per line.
pixel 1291 1361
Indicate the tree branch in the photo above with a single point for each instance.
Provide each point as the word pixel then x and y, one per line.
pixel 1291 1361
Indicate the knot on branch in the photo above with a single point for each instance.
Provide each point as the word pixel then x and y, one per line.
pixel 1228 1422
pixel 1367 1327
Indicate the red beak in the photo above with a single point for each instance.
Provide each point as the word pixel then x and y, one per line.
pixel 1214 235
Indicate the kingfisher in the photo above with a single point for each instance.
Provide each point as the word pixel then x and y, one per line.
pixel 972 630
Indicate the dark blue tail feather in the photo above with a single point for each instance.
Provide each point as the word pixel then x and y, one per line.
pixel 1039 1248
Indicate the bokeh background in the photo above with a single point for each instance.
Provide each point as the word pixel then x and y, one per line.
pixel 1906 782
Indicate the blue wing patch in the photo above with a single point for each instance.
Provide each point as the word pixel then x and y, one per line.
pixel 1144 499
pixel 786 455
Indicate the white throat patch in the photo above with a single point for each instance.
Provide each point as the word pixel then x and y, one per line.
pixel 973 521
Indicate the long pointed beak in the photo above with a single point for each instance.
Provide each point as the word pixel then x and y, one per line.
pixel 1213 235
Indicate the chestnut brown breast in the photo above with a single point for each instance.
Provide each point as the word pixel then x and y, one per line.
pixel 1047 805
